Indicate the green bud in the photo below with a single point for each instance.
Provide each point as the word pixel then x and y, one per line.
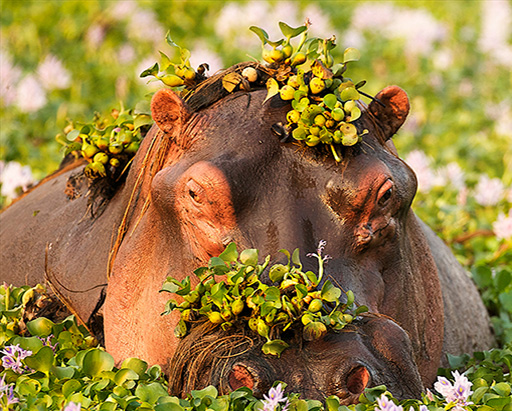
pixel 263 328
pixel 315 305
pixel 102 143
pixel 237 306
pixel 316 85
pixel 114 162
pixel 319 120
pixel 312 141
pixel 298 59
pixel 101 158
pixel 89 150
pixel 287 50
pixel 277 55
pixel 287 92
pixel 215 317
pixel 115 148
pixel 293 116
pixel 172 80
pixel 338 114
pixel 314 130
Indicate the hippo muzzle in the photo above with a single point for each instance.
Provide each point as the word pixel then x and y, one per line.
pixel 372 351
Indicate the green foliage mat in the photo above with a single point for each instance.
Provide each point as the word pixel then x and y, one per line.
pixel 49 365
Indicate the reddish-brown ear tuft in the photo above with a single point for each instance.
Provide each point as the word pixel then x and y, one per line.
pixel 169 111
pixel 393 111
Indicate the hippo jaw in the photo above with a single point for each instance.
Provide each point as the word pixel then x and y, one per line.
pixel 372 351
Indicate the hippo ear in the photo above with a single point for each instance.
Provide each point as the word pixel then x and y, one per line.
pixel 391 110
pixel 169 111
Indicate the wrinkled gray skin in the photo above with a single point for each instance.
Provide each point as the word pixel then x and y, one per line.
pixel 371 351
pixel 225 176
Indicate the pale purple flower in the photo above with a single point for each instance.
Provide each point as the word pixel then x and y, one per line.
pixel 47 342
pixel 13 356
pixel 489 191
pixel 143 25
pixel 502 227
pixel 319 251
pixel 126 54
pixel 14 176
pixel 458 392
pixel 451 174
pixel 95 35
pixel 274 397
pixel 496 31
pixel 123 9
pixel 420 164
pixel 52 74
pixel 7 390
pixel 30 95
pixel 9 77
pixel 385 404
pixel 416 27
pixel 71 406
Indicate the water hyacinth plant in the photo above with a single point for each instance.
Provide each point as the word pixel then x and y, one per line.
pixel 269 310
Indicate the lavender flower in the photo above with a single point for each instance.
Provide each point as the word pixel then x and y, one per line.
pixel 385 404
pixel 47 342
pixel 274 397
pixel 30 95
pixel 420 164
pixel 502 227
pixel 13 356
pixel 52 74
pixel 7 391
pixel 71 406
pixel 12 176
pixel 321 259
pixel 489 191
pixel 457 393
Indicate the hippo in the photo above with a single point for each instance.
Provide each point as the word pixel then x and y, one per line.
pixel 371 351
pixel 216 168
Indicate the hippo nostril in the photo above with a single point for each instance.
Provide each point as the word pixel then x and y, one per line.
pixel 358 380
pixel 239 376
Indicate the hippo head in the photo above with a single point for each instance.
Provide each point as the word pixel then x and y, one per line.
pixel 371 351
pixel 226 172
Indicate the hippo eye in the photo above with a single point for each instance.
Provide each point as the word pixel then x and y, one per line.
pixel 195 191
pixel 385 192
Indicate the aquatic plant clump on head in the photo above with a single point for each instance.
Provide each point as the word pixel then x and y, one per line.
pixel 324 102
pixel 294 298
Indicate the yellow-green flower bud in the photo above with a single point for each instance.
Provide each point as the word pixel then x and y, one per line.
pixel 172 80
pixel 316 85
pixel 293 116
pixel 287 92
pixel 237 306
pixel 101 158
pixel 215 317
pixel 315 305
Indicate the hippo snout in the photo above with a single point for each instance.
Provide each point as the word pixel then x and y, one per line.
pixel 372 351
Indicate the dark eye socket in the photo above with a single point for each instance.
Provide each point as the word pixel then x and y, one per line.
pixel 195 191
pixel 385 192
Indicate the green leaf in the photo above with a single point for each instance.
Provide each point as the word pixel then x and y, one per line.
pixel 249 257
pixel 290 32
pixel 97 361
pixel 302 290
pixel 142 120
pixel 165 61
pixel 330 101
pixel 506 300
pixel 502 388
pixel 296 258
pixel 42 360
pixel 351 54
pixel 73 134
pixel 349 93
pixel 350 297
pixel 152 71
pixel 272 88
pixel 300 133
pixel 70 387
pixel 42 327
pixel 262 34
pixel 361 309
pixel 151 392
pixel 209 391
pixel 277 272
pixel 169 40
pixel 329 292
pixel 169 406
pixel 314 330
pixel 125 374
pixel 274 347
pixel 217 264
pixel 28 387
pixel 229 255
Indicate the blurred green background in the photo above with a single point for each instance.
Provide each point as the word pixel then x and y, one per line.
pixel 68 59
